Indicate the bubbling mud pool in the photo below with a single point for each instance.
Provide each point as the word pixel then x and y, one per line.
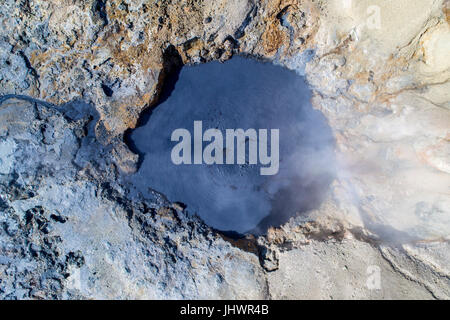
pixel 247 94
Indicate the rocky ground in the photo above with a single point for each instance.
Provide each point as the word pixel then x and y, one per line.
pixel 75 75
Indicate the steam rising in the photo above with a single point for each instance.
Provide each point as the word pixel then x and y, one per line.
pixel 240 93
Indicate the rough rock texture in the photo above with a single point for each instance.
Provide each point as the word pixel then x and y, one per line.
pixel 68 232
pixel 75 75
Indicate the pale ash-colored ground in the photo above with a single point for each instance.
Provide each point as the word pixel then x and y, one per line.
pixel 69 228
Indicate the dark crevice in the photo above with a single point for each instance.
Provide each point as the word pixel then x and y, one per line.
pixel 250 15
pixel 282 17
pixel 247 243
pixel 29 99
pixel 99 10
pixel 58 218
pixel 190 43
pixel 281 14
pixel 28 65
pixel 107 90
pixel 172 64
pixel 25 6
pixel 232 41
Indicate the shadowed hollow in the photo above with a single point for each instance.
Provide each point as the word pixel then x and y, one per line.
pixel 240 93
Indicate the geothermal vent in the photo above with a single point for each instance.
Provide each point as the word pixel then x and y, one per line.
pixel 278 165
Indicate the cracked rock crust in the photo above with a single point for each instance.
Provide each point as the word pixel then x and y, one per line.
pixel 81 72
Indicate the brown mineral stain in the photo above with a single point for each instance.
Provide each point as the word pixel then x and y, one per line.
pixel 272 38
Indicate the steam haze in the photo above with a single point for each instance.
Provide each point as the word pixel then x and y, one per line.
pixel 240 93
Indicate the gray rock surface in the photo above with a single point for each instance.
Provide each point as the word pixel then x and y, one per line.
pixel 74 75
pixel 68 234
